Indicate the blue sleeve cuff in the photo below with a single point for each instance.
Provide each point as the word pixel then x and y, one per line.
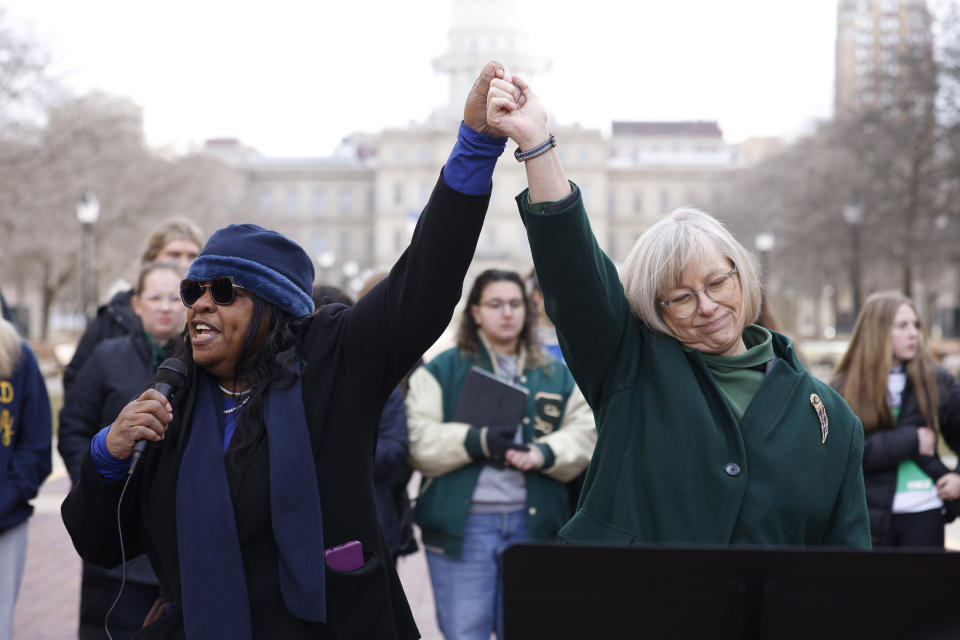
pixel 107 466
pixel 469 168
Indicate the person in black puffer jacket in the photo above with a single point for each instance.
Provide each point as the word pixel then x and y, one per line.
pixel 119 369
pixel 888 378
pixel 173 240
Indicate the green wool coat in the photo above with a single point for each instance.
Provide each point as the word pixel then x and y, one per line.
pixel 672 464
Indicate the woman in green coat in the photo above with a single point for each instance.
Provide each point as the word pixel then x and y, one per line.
pixel 710 430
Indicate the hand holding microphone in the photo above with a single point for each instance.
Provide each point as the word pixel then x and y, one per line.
pixel 146 418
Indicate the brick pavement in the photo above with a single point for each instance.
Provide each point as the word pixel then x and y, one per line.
pixel 49 595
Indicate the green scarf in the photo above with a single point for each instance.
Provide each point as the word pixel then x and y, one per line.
pixel 158 350
pixel 739 377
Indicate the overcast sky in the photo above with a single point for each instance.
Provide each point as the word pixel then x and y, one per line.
pixel 293 77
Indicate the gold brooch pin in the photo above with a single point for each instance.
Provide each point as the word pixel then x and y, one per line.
pixel 822 415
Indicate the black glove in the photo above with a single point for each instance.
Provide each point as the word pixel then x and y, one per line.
pixel 499 441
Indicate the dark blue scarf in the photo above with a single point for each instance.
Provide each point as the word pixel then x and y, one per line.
pixel 213 584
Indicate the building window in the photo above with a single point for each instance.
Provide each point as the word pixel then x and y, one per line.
pixel 292 200
pixel 398 193
pixel 346 200
pixel 371 201
pixel 266 201
pixel 319 243
pixel 346 245
pixel 638 201
pixel 664 200
pixel 319 201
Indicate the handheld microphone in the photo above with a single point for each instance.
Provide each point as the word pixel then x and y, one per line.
pixel 171 376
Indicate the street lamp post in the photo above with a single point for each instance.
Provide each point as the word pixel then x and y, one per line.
pixel 853 217
pixel 325 261
pixel 764 242
pixel 88 210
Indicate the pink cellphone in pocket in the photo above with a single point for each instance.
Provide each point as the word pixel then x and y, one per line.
pixel 345 557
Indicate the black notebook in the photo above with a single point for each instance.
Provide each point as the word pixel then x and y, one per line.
pixel 489 401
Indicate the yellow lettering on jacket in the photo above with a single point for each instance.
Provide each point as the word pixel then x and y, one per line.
pixel 6 428
pixel 6 392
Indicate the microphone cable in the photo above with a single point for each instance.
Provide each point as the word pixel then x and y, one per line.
pixel 123 559
pixel 170 379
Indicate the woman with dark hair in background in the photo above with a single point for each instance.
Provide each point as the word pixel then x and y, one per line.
pixel 118 370
pixel 255 500
pixel 486 488
pixel 905 402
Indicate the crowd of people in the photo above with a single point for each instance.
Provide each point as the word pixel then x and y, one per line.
pixel 645 405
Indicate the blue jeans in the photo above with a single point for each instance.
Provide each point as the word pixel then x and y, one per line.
pixel 468 591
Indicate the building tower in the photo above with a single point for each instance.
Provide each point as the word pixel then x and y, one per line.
pixel 480 31
pixel 884 52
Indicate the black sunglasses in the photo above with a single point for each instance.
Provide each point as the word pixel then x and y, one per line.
pixel 222 291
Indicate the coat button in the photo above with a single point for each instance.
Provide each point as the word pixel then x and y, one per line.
pixel 732 469
pixel 532 511
pixel 526 421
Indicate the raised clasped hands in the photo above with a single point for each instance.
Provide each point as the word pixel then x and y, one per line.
pixel 146 417
pixel 516 112
pixel 475 109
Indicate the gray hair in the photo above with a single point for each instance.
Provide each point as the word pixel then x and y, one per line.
pixel 657 261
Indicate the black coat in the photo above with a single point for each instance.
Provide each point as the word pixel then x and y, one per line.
pixel 117 371
pixel 354 357
pixel 114 319
pixel 885 449
pixel 391 475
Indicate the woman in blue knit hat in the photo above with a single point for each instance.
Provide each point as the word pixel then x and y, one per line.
pixel 254 500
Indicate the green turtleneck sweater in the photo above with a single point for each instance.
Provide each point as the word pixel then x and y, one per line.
pixel 740 376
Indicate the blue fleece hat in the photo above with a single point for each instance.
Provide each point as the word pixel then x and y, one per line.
pixel 267 264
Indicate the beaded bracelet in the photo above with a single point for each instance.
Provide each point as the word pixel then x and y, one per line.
pixel 539 150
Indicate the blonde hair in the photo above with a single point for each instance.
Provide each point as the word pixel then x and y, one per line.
pixel 166 232
pixel 862 373
pixel 658 259
pixel 160 265
pixel 11 348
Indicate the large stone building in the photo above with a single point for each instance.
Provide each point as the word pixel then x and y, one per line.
pixel 355 211
pixel 884 48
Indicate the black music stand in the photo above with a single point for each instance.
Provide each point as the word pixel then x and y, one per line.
pixel 570 591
